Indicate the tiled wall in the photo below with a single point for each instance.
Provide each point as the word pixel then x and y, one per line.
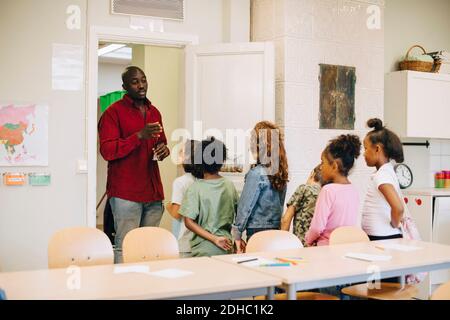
pixel 307 33
pixel 439 158
pixel 425 162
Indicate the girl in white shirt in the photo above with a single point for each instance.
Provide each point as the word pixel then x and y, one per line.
pixel 383 205
pixel 180 186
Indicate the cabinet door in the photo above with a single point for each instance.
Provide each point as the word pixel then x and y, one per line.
pixel 441 221
pixel 441 234
pixel 421 209
pixel 428 110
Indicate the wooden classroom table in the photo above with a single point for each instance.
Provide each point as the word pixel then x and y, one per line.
pixel 210 279
pixel 326 266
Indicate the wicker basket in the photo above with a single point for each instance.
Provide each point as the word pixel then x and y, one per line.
pixel 421 66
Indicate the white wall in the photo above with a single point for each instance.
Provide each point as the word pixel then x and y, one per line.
pixel 424 162
pixel 307 33
pixel 29 216
pixel 236 22
pixel 410 22
pixel 202 17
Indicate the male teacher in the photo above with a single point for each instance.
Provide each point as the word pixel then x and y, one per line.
pixel 132 140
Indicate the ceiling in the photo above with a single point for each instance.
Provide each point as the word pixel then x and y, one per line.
pixel 121 56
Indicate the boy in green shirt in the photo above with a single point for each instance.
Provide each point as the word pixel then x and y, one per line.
pixel 209 205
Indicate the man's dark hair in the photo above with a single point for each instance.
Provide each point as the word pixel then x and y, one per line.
pixel 129 72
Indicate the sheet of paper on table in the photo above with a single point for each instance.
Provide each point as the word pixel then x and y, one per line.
pixel 368 257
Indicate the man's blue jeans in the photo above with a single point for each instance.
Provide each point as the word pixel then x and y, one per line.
pixel 129 215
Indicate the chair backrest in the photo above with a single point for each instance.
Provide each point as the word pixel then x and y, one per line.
pixel 348 235
pixel 80 246
pixel 149 243
pixel 442 293
pixel 273 240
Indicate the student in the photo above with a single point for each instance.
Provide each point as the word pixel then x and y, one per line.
pixel 338 201
pixel 262 199
pixel 301 205
pixel 180 185
pixel 383 206
pixel 209 205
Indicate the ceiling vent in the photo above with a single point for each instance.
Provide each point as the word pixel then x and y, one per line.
pixel 162 9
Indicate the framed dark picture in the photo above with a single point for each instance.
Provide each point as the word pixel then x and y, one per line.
pixel 337 97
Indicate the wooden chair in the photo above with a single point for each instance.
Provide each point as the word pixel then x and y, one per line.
pixel 386 291
pixel 442 293
pixel 149 243
pixel 274 240
pixel 344 235
pixel 80 246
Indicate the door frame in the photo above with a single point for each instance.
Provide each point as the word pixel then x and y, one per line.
pixel 123 35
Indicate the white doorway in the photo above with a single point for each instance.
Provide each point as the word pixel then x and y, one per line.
pixel 163 67
pixel 130 38
pixel 222 85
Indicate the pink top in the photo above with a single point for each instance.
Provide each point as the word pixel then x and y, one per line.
pixel 337 206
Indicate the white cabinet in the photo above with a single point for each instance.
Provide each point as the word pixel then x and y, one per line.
pixel 430 209
pixel 417 104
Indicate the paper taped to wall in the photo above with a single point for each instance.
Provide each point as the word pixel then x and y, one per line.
pixel 67 67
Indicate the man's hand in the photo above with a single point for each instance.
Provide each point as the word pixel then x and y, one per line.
pixel 223 243
pixel 240 246
pixel 151 130
pixel 161 151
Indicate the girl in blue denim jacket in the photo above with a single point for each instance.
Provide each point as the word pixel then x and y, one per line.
pixel 261 203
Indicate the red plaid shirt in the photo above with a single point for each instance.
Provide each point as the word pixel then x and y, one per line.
pixel 132 174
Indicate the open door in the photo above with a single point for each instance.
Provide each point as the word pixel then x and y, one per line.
pixel 229 87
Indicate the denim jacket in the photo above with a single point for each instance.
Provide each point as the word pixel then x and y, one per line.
pixel 260 205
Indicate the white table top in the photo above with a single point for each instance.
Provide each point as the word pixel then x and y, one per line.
pixel 328 263
pixel 100 282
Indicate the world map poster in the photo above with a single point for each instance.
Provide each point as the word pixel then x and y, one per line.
pixel 23 135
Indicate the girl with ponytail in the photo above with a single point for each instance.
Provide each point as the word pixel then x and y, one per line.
pixel 383 206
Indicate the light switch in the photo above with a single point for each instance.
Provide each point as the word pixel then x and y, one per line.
pixel 82 166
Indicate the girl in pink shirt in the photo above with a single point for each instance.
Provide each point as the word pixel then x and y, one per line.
pixel 338 201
